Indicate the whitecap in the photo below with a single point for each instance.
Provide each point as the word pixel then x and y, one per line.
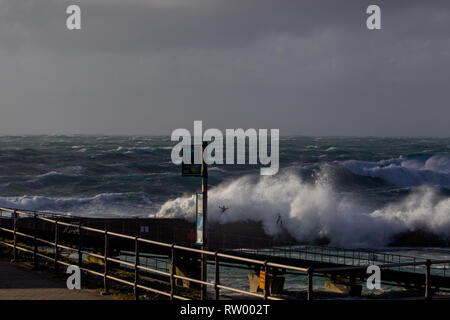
pixel 313 210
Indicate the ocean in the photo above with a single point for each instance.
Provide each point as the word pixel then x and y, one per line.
pixel 353 191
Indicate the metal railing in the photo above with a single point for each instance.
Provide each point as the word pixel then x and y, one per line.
pixel 350 257
pixel 217 257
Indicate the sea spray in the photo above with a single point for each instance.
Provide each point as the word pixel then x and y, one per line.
pixel 315 210
pixel 351 190
pixel 406 171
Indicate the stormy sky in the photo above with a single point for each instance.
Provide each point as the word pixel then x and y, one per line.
pixel 151 66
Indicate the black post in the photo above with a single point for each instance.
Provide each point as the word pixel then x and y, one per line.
pixel 172 272
pixel 35 259
pixel 56 245
pixel 80 255
pixel 266 280
pixel 217 276
pixel 310 283
pixel 105 258
pixel 15 256
pixel 204 257
pixel 428 293
pixel 136 268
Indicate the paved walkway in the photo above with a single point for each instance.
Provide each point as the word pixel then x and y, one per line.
pixel 18 282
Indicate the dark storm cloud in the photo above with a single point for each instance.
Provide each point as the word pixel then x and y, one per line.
pixel 150 66
pixel 142 25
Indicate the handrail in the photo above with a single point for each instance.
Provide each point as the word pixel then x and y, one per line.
pixel 338 253
pixel 344 255
pixel 260 262
pixel 137 266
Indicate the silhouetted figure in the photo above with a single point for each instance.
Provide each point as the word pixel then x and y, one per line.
pixel 279 221
pixel 223 208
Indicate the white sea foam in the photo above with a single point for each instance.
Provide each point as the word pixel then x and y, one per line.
pixel 63 171
pixel 128 150
pixel 105 204
pixel 49 174
pixel 216 169
pixel 406 172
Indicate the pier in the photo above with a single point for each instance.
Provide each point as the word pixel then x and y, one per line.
pixel 17 282
pixel 159 257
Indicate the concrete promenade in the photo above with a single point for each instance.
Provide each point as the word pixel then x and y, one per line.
pixel 18 282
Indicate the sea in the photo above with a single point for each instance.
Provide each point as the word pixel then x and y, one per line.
pixel 354 191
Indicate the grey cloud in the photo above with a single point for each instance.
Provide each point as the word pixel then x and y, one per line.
pixel 140 25
pixel 147 67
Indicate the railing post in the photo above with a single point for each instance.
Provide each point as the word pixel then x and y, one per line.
pixel 216 276
pixel 310 283
pixel 136 268
pixel 172 272
pixel 56 245
pixel 428 293
pixel 35 249
pixel 15 256
pixel 80 255
pixel 105 274
pixel 266 280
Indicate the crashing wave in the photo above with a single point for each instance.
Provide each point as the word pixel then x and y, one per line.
pixel 406 171
pixel 314 210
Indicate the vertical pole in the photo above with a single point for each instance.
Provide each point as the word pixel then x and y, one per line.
pixel 136 268
pixel 80 255
pixel 428 293
pixel 310 283
pixel 105 275
pixel 15 236
pixel 172 272
pixel 35 249
pixel 217 276
pixel 56 245
pixel 204 257
pixel 266 280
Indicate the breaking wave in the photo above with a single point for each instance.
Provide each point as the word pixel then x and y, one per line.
pixel 311 210
pixel 106 204
pixel 406 171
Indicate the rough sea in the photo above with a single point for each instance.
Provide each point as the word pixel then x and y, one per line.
pixel 350 190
